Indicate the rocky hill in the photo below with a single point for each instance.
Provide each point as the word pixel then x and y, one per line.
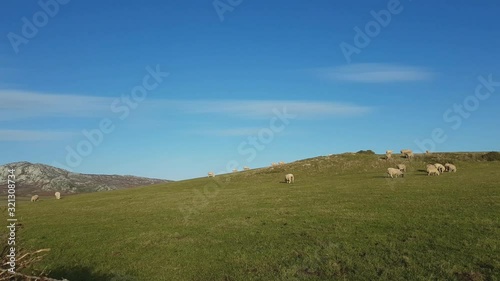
pixel 40 179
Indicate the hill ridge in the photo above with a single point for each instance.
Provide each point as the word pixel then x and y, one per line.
pixel 42 178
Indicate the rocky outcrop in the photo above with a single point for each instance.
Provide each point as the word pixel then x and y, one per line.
pixel 43 178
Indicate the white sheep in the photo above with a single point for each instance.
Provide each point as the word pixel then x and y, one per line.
pixel 34 198
pixel 432 170
pixel 388 156
pixel 392 172
pixel 447 167
pixel 407 153
pixel 450 167
pixel 211 174
pixel 402 167
pixel 235 170
pixel 289 178
pixel 440 167
pixel 246 168
pixel 58 195
pixel 404 151
pixel 273 164
pixel 388 152
pixel 281 163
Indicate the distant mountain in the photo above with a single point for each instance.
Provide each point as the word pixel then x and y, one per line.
pixel 40 179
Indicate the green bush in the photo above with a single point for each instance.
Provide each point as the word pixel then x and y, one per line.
pixel 491 156
pixel 365 152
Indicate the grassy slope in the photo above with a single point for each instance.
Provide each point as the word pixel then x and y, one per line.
pixel 342 218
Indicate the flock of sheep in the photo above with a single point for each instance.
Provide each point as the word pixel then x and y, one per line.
pixel 436 169
pixel 407 153
pixel 35 198
pixel 234 171
pixel 432 169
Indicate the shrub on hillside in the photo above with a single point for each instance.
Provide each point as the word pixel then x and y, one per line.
pixel 365 152
pixel 491 156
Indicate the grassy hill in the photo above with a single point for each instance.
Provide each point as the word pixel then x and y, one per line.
pixel 342 219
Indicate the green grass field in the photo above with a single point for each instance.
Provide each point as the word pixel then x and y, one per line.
pixel 342 219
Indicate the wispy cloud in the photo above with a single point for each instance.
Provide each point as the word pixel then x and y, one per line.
pixel 267 108
pixel 29 135
pixel 22 104
pixel 376 73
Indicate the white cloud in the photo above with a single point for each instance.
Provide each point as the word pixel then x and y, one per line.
pixel 266 108
pixel 22 104
pixel 376 73
pixel 29 135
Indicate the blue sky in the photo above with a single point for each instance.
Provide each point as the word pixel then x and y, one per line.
pixel 174 89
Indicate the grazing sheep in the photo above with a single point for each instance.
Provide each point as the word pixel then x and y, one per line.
pixel 432 170
pixel 281 163
pixel 447 167
pixel 450 167
pixel 407 153
pixel 427 152
pixel 34 198
pixel 404 151
pixel 273 164
pixel 453 168
pixel 211 174
pixel 388 152
pixel 235 170
pixel 246 168
pixel 388 156
pixel 440 167
pixel 289 178
pixel 392 172
pixel 402 167
pixel 58 195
